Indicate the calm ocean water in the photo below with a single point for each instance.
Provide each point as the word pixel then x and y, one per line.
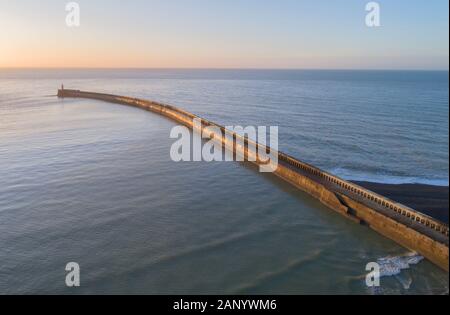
pixel 93 183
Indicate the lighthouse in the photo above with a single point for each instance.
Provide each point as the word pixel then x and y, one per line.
pixel 61 91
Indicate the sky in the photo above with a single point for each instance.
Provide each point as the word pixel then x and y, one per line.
pixel 285 34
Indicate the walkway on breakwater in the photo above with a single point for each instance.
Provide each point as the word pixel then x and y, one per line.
pixel 408 227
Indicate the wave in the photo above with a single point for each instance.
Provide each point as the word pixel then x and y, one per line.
pixel 387 179
pixel 268 275
pixel 392 266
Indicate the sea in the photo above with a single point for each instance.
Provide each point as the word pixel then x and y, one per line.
pixel 93 183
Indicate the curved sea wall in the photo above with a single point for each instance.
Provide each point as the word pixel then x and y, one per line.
pixel 408 227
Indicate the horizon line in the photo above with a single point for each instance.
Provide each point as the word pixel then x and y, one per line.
pixel 221 68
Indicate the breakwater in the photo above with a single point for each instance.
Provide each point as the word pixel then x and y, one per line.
pixel 406 226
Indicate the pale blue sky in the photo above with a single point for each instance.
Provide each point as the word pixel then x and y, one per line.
pixel 225 34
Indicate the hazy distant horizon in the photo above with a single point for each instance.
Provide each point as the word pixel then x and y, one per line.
pixel 213 68
pixel 231 34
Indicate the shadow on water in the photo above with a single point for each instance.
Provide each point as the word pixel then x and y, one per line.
pixel 326 216
pixel 287 188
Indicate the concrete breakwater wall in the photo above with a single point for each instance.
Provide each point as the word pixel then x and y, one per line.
pixel 406 226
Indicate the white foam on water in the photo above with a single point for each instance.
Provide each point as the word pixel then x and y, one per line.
pixel 387 179
pixel 393 266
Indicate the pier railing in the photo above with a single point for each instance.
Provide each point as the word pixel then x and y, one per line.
pixel 370 196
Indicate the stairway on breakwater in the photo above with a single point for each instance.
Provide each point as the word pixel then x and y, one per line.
pixel 406 226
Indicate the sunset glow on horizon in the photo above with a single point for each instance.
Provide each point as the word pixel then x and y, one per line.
pixel 224 34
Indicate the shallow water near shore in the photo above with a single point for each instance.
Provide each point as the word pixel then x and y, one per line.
pixel 93 183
